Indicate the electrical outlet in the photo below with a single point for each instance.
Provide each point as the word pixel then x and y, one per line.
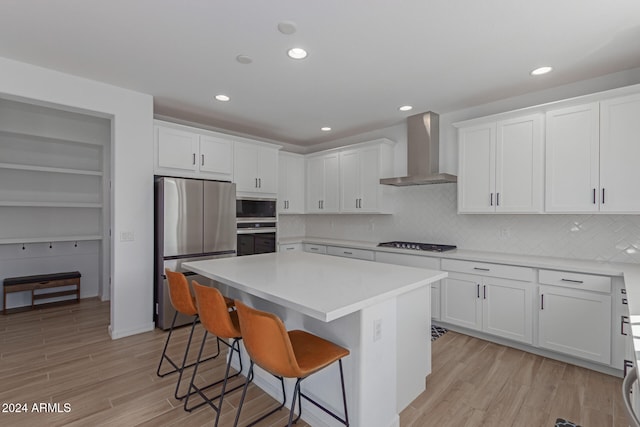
pixel 505 233
pixel 127 236
pixel 377 329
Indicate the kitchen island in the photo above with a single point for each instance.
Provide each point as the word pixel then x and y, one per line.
pixel 380 312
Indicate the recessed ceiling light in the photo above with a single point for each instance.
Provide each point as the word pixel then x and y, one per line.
pixel 244 59
pixel 287 27
pixel 297 53
pixel 223 98
pixel 405 108
pixel 325 129
pixel 540 71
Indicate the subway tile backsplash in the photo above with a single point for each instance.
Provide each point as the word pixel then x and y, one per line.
pixel 428 213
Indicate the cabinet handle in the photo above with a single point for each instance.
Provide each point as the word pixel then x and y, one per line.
pixel 623 320
pixel 194 158
pixel 627 364
pixel 481 269
pixel 542 302
pixel 256 184
pixel 314 249
pixel 478 290
pixel 259 182
pixel 497 199
pixel 347 253
pixel 623 291
pixel 491 199
pixel 202 160
pixel 484 291
pixel 603 196
pixel 594 196
pixel 571 281
pixel 624 301
pixel 322 204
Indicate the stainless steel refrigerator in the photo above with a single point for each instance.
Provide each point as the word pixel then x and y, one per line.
pixel 194 220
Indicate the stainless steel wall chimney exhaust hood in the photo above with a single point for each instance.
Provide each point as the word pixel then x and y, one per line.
pixel 423 146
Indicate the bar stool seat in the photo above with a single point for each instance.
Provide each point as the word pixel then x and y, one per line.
pixel 289 354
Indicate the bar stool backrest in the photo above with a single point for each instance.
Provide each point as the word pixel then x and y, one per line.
pixel 267 341
pixel 179 293
pixel 214 313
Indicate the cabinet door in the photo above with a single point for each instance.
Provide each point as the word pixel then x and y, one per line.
pixel 290 183
pixel 331 184
pixel 476 172
pixel 350 181
pixel 295 184
pixel 519 167
pixel 572 159
pixel 619 154
pixel 575 322
pixel 460 301
pixel 315 183
pixel 370 190
pixel 267 162
pixel 216 156
pixel 508 309
pixel 245 167
pixel 177 149
pixel 435 301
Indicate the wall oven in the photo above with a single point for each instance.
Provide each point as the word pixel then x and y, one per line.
pixel 256 226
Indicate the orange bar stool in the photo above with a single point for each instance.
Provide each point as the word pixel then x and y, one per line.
pixel 219 321
pixel 294 354
pixel 183 302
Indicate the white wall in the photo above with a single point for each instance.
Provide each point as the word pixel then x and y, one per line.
pixel 131 174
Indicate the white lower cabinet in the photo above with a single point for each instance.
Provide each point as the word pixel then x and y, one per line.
pixel 315 249
pixel 289 247
pixel 575 322
pixel 496 306
pixel 350 253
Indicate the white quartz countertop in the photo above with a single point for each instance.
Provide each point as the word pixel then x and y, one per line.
pixel 323 287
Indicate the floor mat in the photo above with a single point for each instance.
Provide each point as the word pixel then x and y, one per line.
pixel 437 332
pixel 561 422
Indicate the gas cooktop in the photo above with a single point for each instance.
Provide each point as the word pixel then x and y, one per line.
pixel 431 247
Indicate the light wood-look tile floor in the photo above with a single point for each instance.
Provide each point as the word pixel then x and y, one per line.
pixel 478 383
pixel 65 355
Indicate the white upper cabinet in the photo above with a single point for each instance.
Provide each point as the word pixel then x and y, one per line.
pixel 572 159
pixel 291 178
pixel 620 154
pixel 255 168
pixel 591 157
pixel 360 173
pixel 322 183
pixel 501 166
pixel 190 152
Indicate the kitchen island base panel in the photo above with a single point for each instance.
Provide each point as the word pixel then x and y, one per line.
pixel 376 362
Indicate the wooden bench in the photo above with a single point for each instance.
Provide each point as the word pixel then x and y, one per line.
pixel 43 281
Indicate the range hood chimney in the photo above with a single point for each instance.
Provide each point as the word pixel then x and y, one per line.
pixel 423 145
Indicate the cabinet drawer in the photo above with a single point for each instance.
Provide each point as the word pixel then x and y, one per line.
pixel 409 260
pixel 290 247
pixel 587 282
pixel 524 274
pixel 350 252
pixel 316 249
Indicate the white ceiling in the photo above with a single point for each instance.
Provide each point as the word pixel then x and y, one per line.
pixel 366 57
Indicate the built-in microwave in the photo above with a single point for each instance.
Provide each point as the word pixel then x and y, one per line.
pixel 248 208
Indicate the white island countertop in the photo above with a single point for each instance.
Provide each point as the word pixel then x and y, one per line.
pixel 322 287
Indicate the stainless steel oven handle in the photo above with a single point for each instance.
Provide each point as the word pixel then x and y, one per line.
pixel 256 230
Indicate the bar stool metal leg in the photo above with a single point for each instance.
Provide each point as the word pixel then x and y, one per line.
pixel 244 392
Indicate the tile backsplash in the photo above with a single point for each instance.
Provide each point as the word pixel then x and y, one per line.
pixel 428 213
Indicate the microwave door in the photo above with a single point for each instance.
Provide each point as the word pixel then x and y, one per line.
pixel 182 216
pixel 219 217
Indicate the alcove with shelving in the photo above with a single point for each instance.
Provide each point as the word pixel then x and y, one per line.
pixel 54 194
